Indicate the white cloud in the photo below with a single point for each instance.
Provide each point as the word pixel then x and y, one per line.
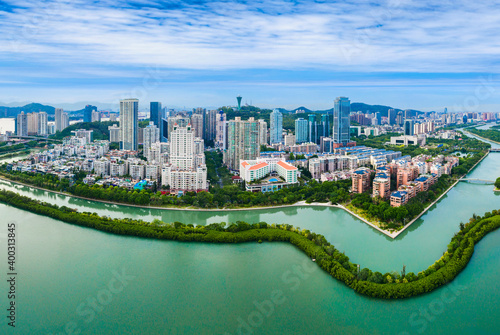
pixel 395 36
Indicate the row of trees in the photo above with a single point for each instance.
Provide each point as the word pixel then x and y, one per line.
pixel 375 284
pixel 491 134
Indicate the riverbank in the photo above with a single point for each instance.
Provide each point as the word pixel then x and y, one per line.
pixel 481 137
pixel 315 246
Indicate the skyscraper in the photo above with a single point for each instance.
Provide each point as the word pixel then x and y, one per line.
pixel 64 120
pixel 186 170
pixel 129 114
pixel 22 124
pixel 197 124
pixel 181 121
pixel 391 116
pixel 151 134
pixel 262 131
pixel 210 124
pixel 399 119
pixel 58 119
pixel 341 120
pixel 87 113
pixel 301 133
pixel 220 130
pixel 409 127
pixel 42 124
pixel 155 113
pixel 312 131
pixel 242 142
pixel 325 126
pixel 276 129
pixel 32 123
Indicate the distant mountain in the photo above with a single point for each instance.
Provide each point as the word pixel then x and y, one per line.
pixel 362 107
pixel 30 108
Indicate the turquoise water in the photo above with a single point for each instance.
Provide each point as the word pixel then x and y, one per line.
pixel 180 288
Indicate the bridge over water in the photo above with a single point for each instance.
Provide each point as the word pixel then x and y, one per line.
pixel 478 181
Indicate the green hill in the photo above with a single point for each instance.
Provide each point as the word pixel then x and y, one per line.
pixel 100 129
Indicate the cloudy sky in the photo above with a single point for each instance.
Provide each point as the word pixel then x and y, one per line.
pixel 409 54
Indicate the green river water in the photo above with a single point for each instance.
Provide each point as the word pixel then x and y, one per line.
pixel 74 280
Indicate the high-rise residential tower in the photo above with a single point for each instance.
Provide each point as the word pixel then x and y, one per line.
pixel 242 142
pixel 301 130
pixel 129 115
pixel 42 124
pixel 276 129
pixel 59 119
pixel 22 124
pixel 151 134
pixel 341 121
pixel 262 131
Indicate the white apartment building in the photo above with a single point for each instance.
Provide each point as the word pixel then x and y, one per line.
pixel 184 180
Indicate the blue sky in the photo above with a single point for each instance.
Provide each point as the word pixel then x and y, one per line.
pixel 408 54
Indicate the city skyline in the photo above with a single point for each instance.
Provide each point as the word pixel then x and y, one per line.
pixel 399 53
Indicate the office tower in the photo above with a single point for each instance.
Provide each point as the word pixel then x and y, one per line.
pixel 409 127
pixel 341 121
pixel 242 142
pixel 151 134
pixel 64 120
pixel 129 115
pixel 209 126
pixel 155 114
pixel 464 119
pixel 377 119
pixel 262 131
pixel 87 113
pixel 42 124
pixel 312 133
pixel 301 130
pixel 114 133
pixel 32 119
pixel 96 116
pixel 220 130
pixel 276 129
pixel 22 124
pixel 325 124
pixel 238 98
pixel 391 116
pixel 164 134
pixel 197 124
pixel 58 116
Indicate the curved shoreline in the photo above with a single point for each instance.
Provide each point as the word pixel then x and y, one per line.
pixel 315 246
pixel 392 235
pixel 481 137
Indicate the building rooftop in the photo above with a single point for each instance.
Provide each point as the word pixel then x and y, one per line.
pixel 258 166
pixel 399 194
pixel 286 166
